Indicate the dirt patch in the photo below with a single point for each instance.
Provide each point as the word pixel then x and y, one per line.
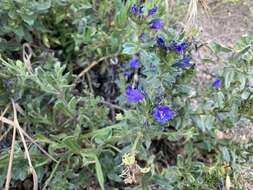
pixel 228 21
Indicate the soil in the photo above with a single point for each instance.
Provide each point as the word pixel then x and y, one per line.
pixel 228 21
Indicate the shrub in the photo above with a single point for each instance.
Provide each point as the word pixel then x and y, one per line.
pixel 112 96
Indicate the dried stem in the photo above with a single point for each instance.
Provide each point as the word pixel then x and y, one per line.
pixel 93 64
pixel 9 172
pixel 168 6
pixel 27 55
pixel 191 17
pixel 112 105
pixel 32 170
pixel 11 124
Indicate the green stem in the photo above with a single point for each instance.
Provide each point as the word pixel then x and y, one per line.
pixel 139 135
pixel 52 175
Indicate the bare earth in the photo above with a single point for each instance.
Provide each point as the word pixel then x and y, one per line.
pixel 229 20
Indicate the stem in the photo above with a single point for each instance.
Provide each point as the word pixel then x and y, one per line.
pixel 51 175
pixel 136 142
pixel 8 178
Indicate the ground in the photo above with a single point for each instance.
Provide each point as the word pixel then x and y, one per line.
pixel 228 20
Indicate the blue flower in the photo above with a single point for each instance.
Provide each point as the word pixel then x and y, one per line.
pixel 156 24
pixel 134 63
pixel 142 36
pixel 183 63
pixel 133 95
pixel 162 114
pixel 126 74
pixel 134 9
pixel 7 83
pixel 141 9
pixel 152 10
pixel 160 42
pixel 217 84
pixel 179 47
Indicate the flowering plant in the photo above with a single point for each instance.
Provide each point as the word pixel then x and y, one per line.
pixel 111 90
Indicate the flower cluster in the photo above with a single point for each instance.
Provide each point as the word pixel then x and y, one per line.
pixel 134 95
pixel 152 10
pixel 162 114
pixel 216 84
pixel 7 83
pixel 134 63
pixel 160 42
pixel 179 47
pixel 156 24
pixel 183 63
pixel 139 10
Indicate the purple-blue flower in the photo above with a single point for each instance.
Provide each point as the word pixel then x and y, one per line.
pixel 183 63
pixel 156 24
pixel 142 36
pixel 7 83
pixel 162 114
pixel 217 83
pixel 134 9
pixel 152 10
pixel 133 95
pixel 134 63
pixel 126 74
pixel 141 9
pixel 160 42
pixel 179 47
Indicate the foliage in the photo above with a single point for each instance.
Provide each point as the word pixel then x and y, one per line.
pixel 137 119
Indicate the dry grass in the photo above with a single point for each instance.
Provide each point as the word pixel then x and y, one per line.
pixel 16 127
pixel 192 13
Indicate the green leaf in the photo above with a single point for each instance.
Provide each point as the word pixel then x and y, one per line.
pixel 29 19
pixel 41 6
pixel 71 143
pixel 217 48
pixel 102 136
pixel 130 49
pixel 99 173
pixel 225 153
pixel 229 76
pixel 204 122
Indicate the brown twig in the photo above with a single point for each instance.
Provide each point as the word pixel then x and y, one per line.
pixel 191 17
pixel 32 170
pixel 90 83
pixel 11 124
pixel 34 142
pixel 27 55
pixel 93 64
pixel 5 133
pixel 168 6
pixel 112 105
pixel 5 110
pixel 9 172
